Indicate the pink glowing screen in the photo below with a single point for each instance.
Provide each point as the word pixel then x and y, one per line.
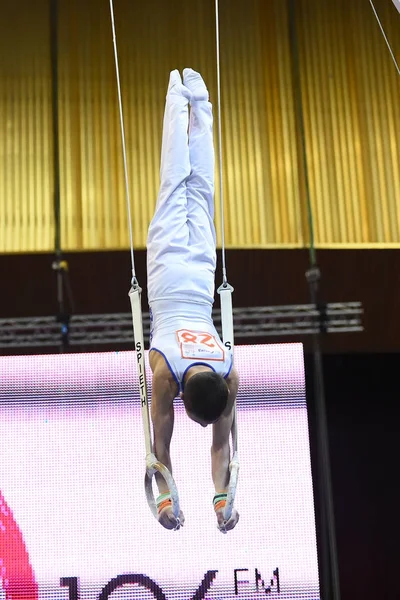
pixel 74 522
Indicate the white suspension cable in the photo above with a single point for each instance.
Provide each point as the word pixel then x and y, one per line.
pixel 225 291
pixel 121 120
pixel 220 156
pixel 385 36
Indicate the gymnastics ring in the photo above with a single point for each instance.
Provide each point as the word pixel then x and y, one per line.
pixel 155 466
pixel 234 474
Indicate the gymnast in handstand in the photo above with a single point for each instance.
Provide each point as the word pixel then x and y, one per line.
pixel 187 356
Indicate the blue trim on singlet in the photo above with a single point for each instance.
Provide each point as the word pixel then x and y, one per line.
pixel 230 368
pixel 195 364
pixel 168 365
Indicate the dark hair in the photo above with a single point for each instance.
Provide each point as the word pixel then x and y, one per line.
pixel 206 396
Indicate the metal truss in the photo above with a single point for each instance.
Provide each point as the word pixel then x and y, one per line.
pixel 249 323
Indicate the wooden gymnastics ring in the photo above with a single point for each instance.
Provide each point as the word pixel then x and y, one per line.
pixel 234 474
pixel 155 466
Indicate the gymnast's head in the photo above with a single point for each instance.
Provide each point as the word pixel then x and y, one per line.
pixel 205 395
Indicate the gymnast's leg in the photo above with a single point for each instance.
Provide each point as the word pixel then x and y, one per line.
pixel 200 183
pixel 168 232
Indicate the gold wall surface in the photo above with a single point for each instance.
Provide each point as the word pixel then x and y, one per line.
pixel 350 92
pixel 26 213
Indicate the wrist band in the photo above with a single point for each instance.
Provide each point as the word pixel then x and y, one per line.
pixel 163 501
pixel 219 501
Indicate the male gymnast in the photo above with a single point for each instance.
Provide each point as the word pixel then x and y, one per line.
pixel 187 356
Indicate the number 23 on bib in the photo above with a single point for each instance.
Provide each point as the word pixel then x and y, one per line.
pixel 199 345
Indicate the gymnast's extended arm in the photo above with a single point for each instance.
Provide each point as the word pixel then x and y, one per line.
pixel 164 390
pixel 220 451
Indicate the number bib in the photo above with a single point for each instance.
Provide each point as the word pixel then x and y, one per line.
pixel 199 345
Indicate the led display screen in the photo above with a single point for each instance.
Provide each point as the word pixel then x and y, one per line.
pixel 74 520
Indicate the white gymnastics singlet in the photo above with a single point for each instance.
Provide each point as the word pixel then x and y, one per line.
pixel 184 335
